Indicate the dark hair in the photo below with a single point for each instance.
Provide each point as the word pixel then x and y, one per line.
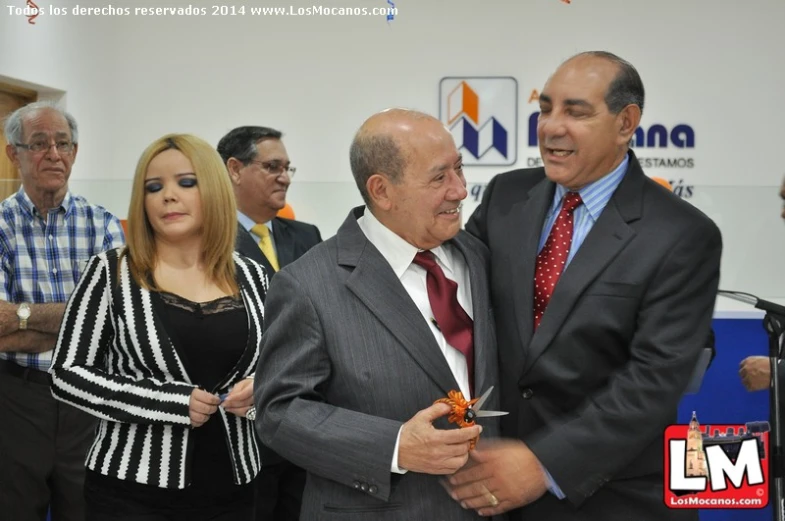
pixel 626 88
pixel 240 143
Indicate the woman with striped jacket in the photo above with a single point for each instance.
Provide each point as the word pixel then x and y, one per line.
pixel 160 341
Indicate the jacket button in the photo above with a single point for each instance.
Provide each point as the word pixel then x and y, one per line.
pixel 356 484
pixel 364 487
pixel 527 393
pixel 373 489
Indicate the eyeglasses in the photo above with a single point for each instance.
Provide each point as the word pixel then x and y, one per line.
pixel 63 147
pixel 276 168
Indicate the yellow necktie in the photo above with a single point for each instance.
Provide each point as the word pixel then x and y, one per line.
pixel 265 244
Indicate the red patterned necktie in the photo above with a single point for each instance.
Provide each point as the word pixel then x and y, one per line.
pixel 451 319
pixel 553 256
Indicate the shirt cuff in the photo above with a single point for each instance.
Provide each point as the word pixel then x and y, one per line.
pixel 553 488
pixel 394 465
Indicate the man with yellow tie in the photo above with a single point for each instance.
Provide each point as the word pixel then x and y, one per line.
pixel 261 173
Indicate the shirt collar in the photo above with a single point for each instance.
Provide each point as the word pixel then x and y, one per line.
pixel 66 205
pixel 395 249
pixel 248 223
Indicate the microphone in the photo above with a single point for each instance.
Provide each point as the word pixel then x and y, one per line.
pixel 773 323
pixel 747 298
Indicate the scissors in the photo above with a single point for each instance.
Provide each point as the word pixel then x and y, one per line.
pixel 464 413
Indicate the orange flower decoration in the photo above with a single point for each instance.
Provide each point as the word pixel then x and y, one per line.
pixel 462 413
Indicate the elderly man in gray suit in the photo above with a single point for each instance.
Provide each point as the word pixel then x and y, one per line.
pixel 368 329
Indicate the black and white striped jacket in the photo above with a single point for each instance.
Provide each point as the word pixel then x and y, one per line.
pixel 114 360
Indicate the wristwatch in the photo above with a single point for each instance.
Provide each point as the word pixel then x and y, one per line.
pixel 23 312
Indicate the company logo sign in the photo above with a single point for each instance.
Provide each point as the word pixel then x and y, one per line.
pixel 482 114
pixel 717 466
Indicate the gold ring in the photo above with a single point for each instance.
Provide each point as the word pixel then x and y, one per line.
pixel 493 500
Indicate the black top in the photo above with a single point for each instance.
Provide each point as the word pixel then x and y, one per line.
pixel 210 338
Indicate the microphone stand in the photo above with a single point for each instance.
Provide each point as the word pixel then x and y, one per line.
pixel 774 324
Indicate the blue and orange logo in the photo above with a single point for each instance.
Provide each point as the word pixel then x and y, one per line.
pixel 482 114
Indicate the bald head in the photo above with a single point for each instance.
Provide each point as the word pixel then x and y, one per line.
pixel 390 120
pixel 383 145
pixel 625 86
pixel 410 174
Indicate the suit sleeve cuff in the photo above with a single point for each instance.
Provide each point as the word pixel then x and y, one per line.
pixel 394 465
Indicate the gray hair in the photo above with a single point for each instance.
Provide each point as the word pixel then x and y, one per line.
pixel 371 154
pixel 13 123
pixel 375 152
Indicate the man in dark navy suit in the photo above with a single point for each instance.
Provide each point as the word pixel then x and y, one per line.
pixel 261 173
pixel 603 286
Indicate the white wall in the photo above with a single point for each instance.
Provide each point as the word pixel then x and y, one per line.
pixel 714 65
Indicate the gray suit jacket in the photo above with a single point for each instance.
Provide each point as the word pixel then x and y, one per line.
pixel 292 240
pixel 346 359
pixel 592 389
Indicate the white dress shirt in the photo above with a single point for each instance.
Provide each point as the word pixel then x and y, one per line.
pixel 400 254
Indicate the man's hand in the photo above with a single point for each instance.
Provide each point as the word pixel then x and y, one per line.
pixel 755 373
pixel 423 448
pixel 501 476
pixel 240 399
pixel 202 406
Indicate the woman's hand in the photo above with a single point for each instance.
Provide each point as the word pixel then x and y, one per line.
pixel 240 399
pixel 202 406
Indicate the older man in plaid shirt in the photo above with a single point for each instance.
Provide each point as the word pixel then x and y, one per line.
pixel 46 235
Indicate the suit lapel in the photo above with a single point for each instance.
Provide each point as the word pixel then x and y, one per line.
pixel 607 238
pixel 525 219
pixel 480 306
pixel 375 284
pixel 284 242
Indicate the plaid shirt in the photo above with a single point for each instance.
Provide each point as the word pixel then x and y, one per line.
pixel 40 260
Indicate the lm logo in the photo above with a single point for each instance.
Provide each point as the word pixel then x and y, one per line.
pixel 727 469
pixel 482 114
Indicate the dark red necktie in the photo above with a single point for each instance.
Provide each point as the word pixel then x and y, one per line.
pixel 451 319
pixel 553 256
